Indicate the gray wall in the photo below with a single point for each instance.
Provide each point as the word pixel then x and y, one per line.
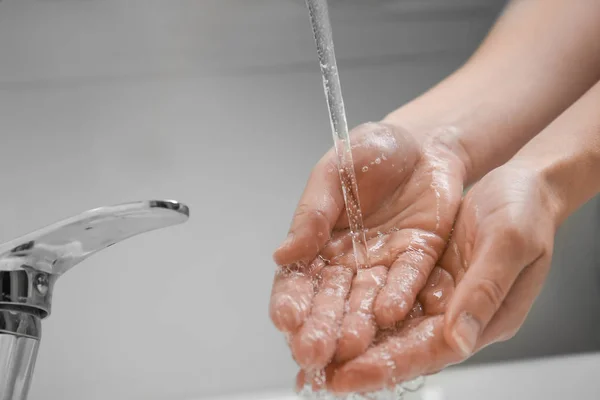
pixel 216 103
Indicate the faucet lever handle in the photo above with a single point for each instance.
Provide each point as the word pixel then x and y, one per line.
pixel 30 264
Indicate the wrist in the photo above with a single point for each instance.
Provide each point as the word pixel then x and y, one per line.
pixel 550 190
pixel 567 154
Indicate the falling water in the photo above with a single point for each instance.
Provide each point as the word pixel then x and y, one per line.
pixel 319 16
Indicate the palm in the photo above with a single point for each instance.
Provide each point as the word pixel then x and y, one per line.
pixel 409 190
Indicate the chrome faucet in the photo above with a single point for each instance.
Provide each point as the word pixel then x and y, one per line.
pixel 30 266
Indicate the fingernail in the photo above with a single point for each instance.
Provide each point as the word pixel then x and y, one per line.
pixel 466 332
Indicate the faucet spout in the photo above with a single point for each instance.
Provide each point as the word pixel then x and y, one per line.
pixel 30 266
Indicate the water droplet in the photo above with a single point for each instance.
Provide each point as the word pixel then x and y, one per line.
pixel 365 168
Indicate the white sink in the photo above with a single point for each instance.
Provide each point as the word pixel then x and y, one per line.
pixel 560 378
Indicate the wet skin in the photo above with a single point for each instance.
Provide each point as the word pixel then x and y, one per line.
pixel 517 94
pixel 410 193
pixel 417 310
pixel 503 238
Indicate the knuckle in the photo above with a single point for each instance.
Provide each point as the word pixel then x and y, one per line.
pixel 515 236
pixel 516 241
pixel 302 209
pixel 523 243
pixel 421 276
pixel 491 292
pixel 305 213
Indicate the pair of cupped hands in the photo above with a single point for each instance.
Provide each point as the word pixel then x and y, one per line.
pixel 448 274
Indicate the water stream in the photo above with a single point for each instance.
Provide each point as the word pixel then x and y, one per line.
pixel 319 16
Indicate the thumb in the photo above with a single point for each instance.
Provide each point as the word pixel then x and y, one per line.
pixel 497 261
pixel 317 212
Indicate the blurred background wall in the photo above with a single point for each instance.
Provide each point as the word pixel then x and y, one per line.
pixel 217 103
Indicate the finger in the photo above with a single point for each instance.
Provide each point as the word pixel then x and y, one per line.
pixel 291 296
pixel 516 305
pixel 358 326
pixel 319 208
pixel 339 250
pixel 416 351
pixel 454 260
pixel 313 346
pixel 437 292
pixel 383 247
pixel 406 278
pixel 497 262
pixel 315 380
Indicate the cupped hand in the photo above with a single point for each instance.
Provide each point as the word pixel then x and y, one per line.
pixel 497 259
pixel 410 188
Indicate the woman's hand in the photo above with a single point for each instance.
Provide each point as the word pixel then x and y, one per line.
pixel 499 255
pixel 497 259
pixel 410 188
pixel 498 101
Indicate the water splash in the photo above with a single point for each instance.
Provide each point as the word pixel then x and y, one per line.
pixel 397 393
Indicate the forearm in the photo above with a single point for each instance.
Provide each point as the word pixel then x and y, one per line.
pixel 541 56
pixel 567 155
